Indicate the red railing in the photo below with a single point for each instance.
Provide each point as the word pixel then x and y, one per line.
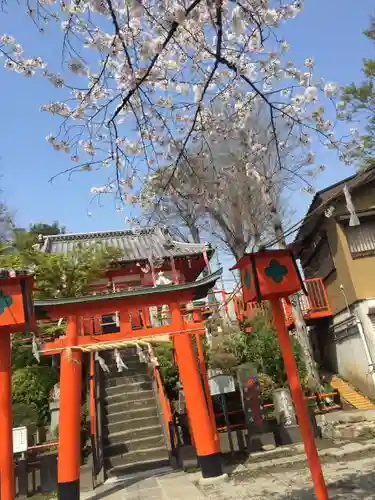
pixel 164 401
pixel 314 305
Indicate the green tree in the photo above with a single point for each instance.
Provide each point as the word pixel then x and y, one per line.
pixel 56 276
pixel 41 228
pixel 24 239
pixel 360 104
pixel 261 347
pixel 168 369
pixel 31 385
pixel 59 275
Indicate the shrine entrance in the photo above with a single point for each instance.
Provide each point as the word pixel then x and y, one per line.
pixel 77 340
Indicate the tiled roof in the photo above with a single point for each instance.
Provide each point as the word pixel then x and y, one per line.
pixel 200 287
pixel 324 198
pixel 136 245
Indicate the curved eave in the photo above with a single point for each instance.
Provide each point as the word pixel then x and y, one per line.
pixel 198 290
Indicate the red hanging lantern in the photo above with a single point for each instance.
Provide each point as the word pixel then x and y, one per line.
pixel 269 274
pixel 16 305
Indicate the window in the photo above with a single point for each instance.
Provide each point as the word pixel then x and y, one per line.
pixel 361 239
pixel 320 262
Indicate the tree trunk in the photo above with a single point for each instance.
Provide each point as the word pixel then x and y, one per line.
pixel 302 333
pixel 194 231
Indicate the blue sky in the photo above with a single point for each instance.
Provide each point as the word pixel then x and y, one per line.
pixel 328 30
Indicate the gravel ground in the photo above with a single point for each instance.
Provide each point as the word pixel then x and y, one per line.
pixel 349 480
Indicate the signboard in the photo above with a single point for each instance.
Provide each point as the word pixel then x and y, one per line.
pixel 221 384
pixel 251 395
pixel 284 409
pixel 19 439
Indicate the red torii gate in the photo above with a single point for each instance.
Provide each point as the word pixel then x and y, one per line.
pixel 16 316
pixel 75 341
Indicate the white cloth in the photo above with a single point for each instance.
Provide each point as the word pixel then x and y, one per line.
pixel 119 362
pixel 354 221
pixel 141 355
pixel 102 363
pixel 36 348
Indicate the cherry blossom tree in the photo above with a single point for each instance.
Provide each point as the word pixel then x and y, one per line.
pixel 143 81
pixel 239 194
pixel 231 189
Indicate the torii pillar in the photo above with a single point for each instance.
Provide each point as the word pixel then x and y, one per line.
pixel 6 436
pixel 16 316
pixel 206 444
pixel 69 459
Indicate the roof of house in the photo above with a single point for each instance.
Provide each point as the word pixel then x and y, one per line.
pixel 135 245
pixel 326 197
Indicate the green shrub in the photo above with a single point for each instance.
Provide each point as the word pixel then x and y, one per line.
pixel 31 386
pixel 261 347
pixel 25 415
pixel 168 370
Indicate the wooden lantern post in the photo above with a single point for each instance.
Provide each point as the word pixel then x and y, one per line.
pixel 16 316
pixel 271 275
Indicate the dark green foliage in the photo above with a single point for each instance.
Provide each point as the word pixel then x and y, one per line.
pixel 168 370
pixel 59 275
pixel 261 347
pixel 360 104
pixel 24 239
pixel 22 355
pixel 56 276
pixel 25 415
pixel 31 386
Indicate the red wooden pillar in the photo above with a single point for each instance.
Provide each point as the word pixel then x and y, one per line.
pixel 6 434
pixel 299 401
pixel 69 459
pixel 92 405
pixel 203 370
pixel 208 454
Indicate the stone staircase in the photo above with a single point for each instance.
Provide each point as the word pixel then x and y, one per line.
pixel 134 437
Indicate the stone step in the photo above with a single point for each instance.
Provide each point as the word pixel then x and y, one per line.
pixel 133 468
pixel 137 433
pixel 129 361
pixel 127 387
pixel 117 411
pixel 132 392
pixel 130 417
pixel 133 368
pixel 144 443
pixel 126 379
pixel 156 454
pixel 134 423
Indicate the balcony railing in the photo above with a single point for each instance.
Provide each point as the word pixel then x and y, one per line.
pixel 314 305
